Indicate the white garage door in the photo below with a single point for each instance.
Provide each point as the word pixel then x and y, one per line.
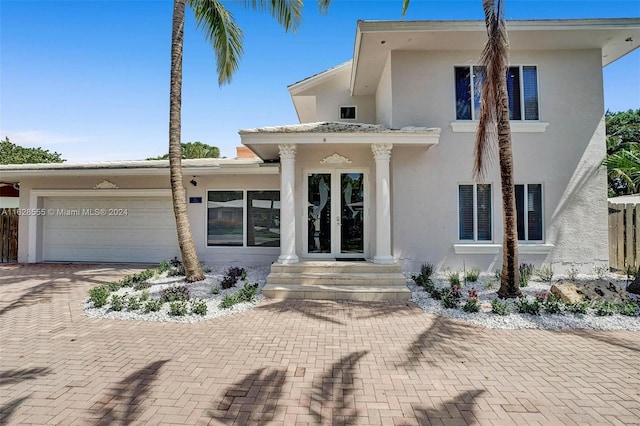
pixel 117 229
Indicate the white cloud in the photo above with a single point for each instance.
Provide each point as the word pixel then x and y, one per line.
pixel 39 138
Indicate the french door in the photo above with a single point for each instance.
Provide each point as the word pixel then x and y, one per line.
pixel 336 214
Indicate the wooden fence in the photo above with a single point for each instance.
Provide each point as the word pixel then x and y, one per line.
pixel 624 236
pixel 8 235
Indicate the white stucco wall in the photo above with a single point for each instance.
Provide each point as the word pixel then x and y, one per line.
pixel 565 158
pixel 383 96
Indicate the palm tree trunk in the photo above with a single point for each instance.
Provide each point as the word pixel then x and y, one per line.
pixel 510 283
pixel 192 268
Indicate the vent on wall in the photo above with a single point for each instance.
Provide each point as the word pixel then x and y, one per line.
pixel 347 113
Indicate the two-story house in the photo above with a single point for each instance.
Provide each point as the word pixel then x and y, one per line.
pixel 378 169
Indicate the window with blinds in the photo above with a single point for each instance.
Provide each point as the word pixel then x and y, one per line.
pixel 522 87
pixel 474 212
pixel 529 211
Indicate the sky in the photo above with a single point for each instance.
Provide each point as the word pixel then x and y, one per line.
pixel 90 79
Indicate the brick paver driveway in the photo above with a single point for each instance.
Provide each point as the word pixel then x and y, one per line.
pixel 295 363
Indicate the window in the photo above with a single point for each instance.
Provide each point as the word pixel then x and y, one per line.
pixel 474 212
pixel 522 86
pixel 529 211
pixel 226 218
pixel 347 113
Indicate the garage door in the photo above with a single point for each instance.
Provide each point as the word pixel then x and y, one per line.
pixel 109 229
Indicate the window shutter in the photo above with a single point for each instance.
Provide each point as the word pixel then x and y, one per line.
pixel 465 195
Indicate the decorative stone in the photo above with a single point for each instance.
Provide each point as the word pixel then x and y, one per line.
pixel 597 290
pixel 634 287
pixel 335 158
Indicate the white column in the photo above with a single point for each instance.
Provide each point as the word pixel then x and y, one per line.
pixel 382 155
pixel 287 204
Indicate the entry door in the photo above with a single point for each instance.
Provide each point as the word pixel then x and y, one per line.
pixel 336 214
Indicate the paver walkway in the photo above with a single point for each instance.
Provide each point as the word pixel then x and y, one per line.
pixel 295 362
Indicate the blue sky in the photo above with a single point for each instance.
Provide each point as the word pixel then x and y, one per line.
pixel 90 79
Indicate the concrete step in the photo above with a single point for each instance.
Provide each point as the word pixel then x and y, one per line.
pixel 368 293
pixel 311 266
pixel 329 278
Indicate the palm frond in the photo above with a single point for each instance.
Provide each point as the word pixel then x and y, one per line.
pixel 494 61
pixel 323 6
pixel 405 7
pixel 288 13
pixel 222 32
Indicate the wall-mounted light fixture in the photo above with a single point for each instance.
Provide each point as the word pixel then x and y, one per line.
pixel 193 181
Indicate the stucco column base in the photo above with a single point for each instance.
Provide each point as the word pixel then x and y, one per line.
pixel 288 260
pixel 384 260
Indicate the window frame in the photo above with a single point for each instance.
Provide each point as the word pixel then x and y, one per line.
pixel 245 212
pixel 355 112
pixel 526 240
pixel 475 213
pixel 472 82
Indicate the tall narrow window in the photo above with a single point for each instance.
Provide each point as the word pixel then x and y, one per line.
pixel 263 218
pixel 529 211
pixel 530 86
pixel 474 212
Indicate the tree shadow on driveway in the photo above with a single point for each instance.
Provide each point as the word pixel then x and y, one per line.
pixel 459 410
pixel 122 404
pixel 11 377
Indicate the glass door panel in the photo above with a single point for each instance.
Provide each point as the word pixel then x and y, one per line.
pixel 352 213
pixel 319 213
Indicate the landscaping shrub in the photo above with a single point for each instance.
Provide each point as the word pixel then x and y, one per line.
pixel 578 307
pixel 526 270
pixel 423 279
pixel 153 305
pixel 451 297
pixel 572 272
pixel 245 294
pixel 144 296
pixel 228 300
pixel 472 275
pixel 454 278
pixel 604 308
pixel 232 276
pixel 215 290
pixel 114 285
pixel 117 302
pixel 630 309
pixel 551 303
pixel 544 273
pixel 133 303
pixel 198 307
pixel 178 308
pixel 500 308
pixel 600 271
pixel 472 304
pixel 524 306
pixel 98 296
pixel 177 293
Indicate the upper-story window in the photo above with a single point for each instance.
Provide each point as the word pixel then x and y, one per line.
pixel 347 113
pixel 522 86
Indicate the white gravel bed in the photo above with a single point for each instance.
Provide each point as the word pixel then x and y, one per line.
pixel 516 320
pixel 198 290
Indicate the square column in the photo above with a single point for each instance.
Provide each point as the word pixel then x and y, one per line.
pixel 382 155
pixel 287 204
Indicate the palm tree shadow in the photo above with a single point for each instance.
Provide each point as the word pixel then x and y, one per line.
pixel 11 377
pixel 262 387
pixel 384 309
pixel 336 386
pixel 129 393
pixel 6 410
pixel 317 310
pixel 464 404
pixel 440 340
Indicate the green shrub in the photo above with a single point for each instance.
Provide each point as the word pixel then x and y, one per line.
pixel 552 304
pixel 153 305
pixel 472 275
pixel 163 267
pixel 451 297
pixel 144 296
pixel 544 273
pixel 133 303
pixel 524 306
pixel 423 279
pixel 117 302
pixel 500 308
pixel 436 293
pixel 630 309
pixel 178 308
pixel 215 290
pixel 245 294
pixel 572 272
pixel 98 296
pixel 177 293
pixel 603 309
pixel 114 286
pixel 228 300
pixel 198 307
pixel 490 285
pixel 232 276
pixel 472 304
pixel 454 278
pixel 177 271
pixel 578 307
pixel 526 270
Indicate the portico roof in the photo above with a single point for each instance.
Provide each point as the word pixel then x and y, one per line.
pixel 264 141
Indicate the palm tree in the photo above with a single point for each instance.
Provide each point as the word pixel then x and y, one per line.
pixel 623 167
pixel 494 126
pixel 226 37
